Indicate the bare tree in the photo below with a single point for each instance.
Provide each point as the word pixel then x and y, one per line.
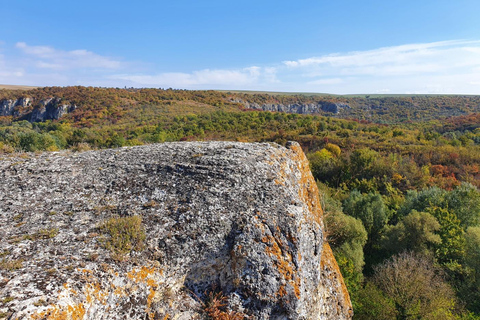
pixel 417 288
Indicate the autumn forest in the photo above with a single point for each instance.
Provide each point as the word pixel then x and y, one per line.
pixel 399 176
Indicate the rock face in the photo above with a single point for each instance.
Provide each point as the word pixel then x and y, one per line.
pixel 233 223
pixel 7 107
pixel 302 108
pixel 49 109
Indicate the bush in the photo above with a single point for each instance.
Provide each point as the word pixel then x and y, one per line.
pixel 123 235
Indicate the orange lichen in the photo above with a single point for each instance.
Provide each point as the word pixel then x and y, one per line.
pixel 145 275
pixel 148 309
pixel 296 287
pixel 282 292
pixel 96 293
pixel 328 262
pixel 283 262
pixel 75 312
pixel 308 191
pixel 140 275
pixel 291 238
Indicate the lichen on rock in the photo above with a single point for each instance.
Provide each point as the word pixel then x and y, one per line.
pixel 239 219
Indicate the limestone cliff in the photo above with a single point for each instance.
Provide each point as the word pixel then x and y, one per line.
pixel 28 109
pixel 166 231
pixel 318 107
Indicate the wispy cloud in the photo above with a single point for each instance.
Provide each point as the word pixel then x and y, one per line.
pixel 437 67
pixel 6 70
pixel 216 78
pixel 46 57
pixel 397 55
pixel 425 67
pixel 45 65
pixel 327 81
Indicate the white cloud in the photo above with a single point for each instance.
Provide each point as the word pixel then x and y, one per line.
pixel 44 65
pixel 8 71
pixel 46 57
pixel 327 81
pixel 217 78
pixel 387 55
pixel 425 67
pixel 438 67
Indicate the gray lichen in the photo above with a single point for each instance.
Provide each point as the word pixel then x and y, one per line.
pixel 241 219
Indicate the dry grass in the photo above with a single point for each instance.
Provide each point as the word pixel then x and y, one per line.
pixel 17 87
pixel 123 234
pixel 214 308
pixel 10 265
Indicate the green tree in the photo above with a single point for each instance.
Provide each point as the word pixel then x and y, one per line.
pixel 416 232
pixel 326 167
pixel 470 289
pixel 421 200
pixel 369 208
pixel 464 200
pixel 333 149
pixel 373 213
pixel 452 247
pixel 371 303
pixel 347 236
pixel 362 162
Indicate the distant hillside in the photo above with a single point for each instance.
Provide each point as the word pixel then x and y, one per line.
pixel 380 109
pixel 87 106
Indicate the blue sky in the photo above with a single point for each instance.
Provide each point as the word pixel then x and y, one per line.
pixel 310 46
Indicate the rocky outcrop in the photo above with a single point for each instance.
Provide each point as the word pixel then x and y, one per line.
pixel 11 107
pixel 302 108
pixel 48 109
pixel 203 226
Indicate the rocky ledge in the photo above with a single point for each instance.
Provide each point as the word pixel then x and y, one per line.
pixel 188 230
pixel 319 107
pixel 28 109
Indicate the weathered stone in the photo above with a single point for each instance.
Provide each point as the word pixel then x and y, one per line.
pixel 301 108
pixel 48 109
pixel 242 219
pixel 6 107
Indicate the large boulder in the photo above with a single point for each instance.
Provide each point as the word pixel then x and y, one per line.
pixel 167 231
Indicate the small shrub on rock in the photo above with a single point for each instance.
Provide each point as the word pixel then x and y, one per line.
pixel 122 235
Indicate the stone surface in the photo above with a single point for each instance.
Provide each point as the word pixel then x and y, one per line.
pixel 301 108
pixel 240 219
pixel 6 107
pixel 48 109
